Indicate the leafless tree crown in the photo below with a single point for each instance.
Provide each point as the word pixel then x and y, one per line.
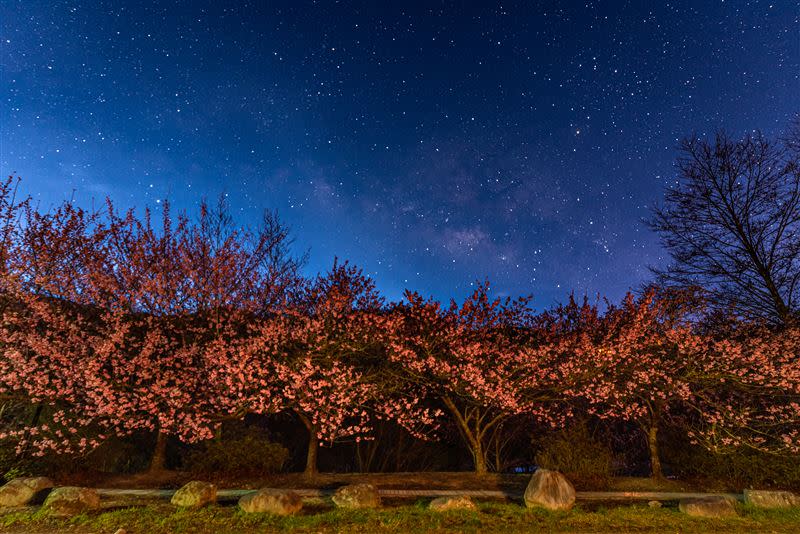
pixel 731 223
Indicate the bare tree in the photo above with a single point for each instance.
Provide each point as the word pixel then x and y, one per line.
pixel 732 224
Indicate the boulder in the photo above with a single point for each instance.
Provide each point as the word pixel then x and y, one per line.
pixel 24 491
pixel 712 506
pixel 549 489
pixel 654 504
pixel 271 501
pixel 357 496
pixel 69 501
pixel 195 494
pixel 444 504
pixel 771 499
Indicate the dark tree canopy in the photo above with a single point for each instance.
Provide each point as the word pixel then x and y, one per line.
pixel 731 224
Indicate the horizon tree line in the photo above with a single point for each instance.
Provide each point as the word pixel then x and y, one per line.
pixel 114 324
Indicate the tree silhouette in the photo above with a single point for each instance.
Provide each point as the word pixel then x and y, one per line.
pixel 732 224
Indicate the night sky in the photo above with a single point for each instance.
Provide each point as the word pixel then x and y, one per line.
pixel 433 144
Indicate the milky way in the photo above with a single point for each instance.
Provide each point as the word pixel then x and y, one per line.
pixel 434 146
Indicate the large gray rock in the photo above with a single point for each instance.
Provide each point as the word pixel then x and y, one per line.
pixel 69 501
pixel 711 506
pixel 444 504
pixel 549 489
pixel 272 501
pixel 357 496
pixel 195 494
pixel 24 491
pixel 771 499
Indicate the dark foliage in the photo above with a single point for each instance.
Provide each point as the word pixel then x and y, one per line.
pixel 578 453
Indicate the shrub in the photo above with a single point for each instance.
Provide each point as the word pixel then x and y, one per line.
pixel 742 469
pixel 116 455
pixel 246 455
pixel 12 466
pixel 575 452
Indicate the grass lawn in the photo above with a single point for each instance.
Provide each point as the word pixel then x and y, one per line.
pixel 494 518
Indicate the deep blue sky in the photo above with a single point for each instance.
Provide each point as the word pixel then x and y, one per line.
pixel 433 144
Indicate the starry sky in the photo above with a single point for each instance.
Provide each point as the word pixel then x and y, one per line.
pixel 434 144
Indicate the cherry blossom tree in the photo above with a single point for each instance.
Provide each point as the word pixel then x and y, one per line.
pixel 638 365
pixel 328 363
pixel 647 361
pixel 472 358
pixel 115 320
pixel 754 399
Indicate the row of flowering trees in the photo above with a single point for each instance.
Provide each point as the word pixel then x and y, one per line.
pixel 112 324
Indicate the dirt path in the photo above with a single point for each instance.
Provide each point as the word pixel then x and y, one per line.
pixel 514 483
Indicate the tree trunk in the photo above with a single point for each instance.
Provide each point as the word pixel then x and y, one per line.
pixel 365 455
pixel 479 457
pixel 498 449
pixel 311 457
pixel 655 461
pixel 158 461
pixel 313 446
pixel 37 414
pixel 472 437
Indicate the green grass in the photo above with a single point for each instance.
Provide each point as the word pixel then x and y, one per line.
pixel 494 518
